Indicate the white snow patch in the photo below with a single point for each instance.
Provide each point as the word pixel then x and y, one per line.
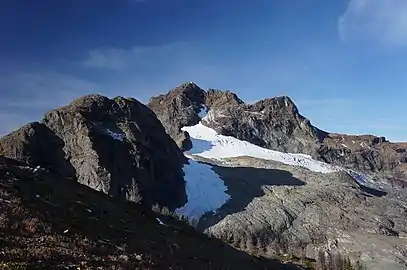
pixel 160 222
pixel 115 135
pixel 353 141
pixel 208 143
pixel 366 181
pixel 203 112
pixel 364 145
pixel 205 191
pixel 344 145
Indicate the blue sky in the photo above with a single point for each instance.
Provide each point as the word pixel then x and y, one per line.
pixel 343 62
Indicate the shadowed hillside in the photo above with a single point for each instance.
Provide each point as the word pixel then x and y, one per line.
pixel 49 223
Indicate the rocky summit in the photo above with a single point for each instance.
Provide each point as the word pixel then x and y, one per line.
pixel 113 145
pixel 275 123
pixel 347 193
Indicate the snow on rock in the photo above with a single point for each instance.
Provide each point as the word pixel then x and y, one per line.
pixel 160 222
pixel 115 135
pixel 36 169
pixel 364 180
pixel 205 191
pixel 208 143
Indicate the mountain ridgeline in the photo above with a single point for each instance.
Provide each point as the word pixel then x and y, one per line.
pixel 276 124
pixel 116 146
pixel 131 151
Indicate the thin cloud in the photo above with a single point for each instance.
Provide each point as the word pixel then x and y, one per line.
pixel 379 21
pixel 119 59
pixel 42 89
pixel 29 95
pixel 108 58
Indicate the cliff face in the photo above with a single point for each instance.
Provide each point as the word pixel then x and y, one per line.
pixel 179 108
pixel 117 146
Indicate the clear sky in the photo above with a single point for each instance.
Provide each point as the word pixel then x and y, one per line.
pixel 344 62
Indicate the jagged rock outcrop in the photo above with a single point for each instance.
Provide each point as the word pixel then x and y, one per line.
pixel 271 123
pixel 36 144
pixel 275 123
pixel 177 109
pixel 366 153
pixel 117 146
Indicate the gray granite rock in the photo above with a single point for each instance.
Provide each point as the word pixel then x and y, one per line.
pixel 276 123
pixel 117 146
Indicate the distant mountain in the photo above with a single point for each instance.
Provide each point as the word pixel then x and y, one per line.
pixel 276 124
pixel 292 188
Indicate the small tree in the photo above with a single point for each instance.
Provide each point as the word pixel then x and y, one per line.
pixel 335 261
pixel 347 265
pixel 165 211
pixel 156 208
pixel 133 193
pixel 321 261
pixel 360 266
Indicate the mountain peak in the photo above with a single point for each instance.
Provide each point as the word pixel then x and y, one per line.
pixel 124 144
pixel 229 115
pixel 216 98
pixel 188 86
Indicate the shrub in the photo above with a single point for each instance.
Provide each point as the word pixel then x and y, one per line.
pixel 133 192
pixel 336 261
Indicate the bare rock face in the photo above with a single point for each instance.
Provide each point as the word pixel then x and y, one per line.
pixel 117 146
pixel 365 153
pixel 35 144
pixel 271 123
pixel 276 123
pixel 179 108
pixel 276 208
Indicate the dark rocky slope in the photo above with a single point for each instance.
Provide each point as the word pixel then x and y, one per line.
pixel 50 223
pixel 276 124
pixel 117 146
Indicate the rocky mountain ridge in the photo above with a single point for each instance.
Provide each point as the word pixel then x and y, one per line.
pixel 276 124
pixel 270 205
pixel 112 145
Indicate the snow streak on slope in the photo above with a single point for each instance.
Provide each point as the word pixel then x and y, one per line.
pixel 114 135
pixel 365 180
pixel 205 191
pixel 207 143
